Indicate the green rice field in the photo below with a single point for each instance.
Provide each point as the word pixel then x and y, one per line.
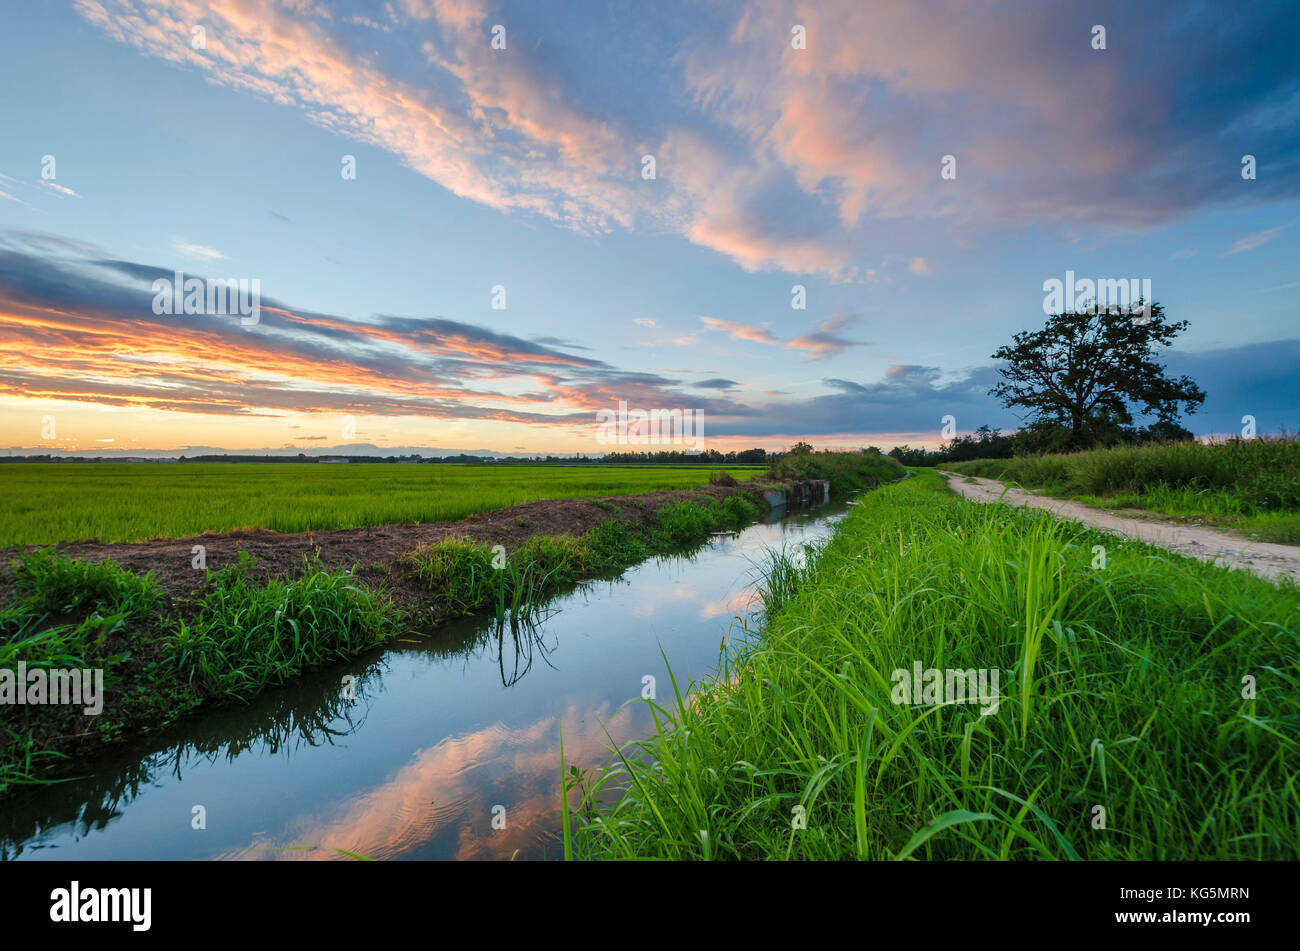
pixel 57 502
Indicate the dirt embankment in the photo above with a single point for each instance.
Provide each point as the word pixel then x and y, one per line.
pixel 1233 551
pixel 376 551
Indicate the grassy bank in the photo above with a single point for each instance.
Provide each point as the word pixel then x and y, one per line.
pixel 1120 729
pixel 162 659
pixel 464 576
pixel 1251 486
pixel 49 503
pixel 847 472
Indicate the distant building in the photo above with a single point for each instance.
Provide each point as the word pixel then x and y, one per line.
pixel 333 459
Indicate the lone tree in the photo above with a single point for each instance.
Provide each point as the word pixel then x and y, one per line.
pixel 1083 372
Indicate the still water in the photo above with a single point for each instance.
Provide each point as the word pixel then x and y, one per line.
pixel 449 748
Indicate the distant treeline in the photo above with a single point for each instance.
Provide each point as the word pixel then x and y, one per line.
pixel 708 457
pixel 986 443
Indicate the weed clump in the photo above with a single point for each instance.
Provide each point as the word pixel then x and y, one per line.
pixel 244 637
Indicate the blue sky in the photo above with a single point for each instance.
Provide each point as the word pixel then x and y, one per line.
pixel 522 167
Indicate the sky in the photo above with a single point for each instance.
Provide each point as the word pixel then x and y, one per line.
pixel 478 225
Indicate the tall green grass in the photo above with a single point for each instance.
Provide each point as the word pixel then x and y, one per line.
pixel 1122 689
pixel 60 585
pixel 464 576
pixel 244 637
pixel 684 524
pixel 67 614
pixel 68 610
pixel 1252 484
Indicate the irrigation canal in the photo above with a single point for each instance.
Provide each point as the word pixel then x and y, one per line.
pixel 438 748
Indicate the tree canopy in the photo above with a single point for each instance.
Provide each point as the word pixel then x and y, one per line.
pixel 1085 373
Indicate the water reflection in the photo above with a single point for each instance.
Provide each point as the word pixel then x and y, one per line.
pixel 450 748
pixel 527 639
pixel 282 723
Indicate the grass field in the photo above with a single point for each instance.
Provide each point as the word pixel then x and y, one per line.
pixel 47 503
pixel 1251 486
pixel 1148 705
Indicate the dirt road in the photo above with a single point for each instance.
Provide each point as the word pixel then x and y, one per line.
pixel 1262 558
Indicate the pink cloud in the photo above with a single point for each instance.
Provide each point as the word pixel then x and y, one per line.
pixel 738 331
pixel 826 340
pixel 793 156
